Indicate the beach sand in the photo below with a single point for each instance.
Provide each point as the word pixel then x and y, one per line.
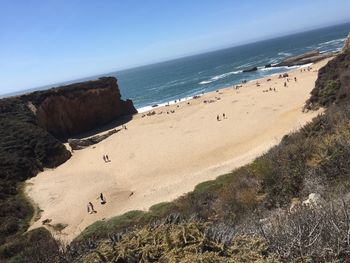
pixel 161 157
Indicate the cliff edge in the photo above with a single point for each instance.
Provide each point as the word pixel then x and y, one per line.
pixel 333 82
pixel 30 126
pixel 79 107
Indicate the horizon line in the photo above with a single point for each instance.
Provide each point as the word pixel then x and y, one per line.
pixel 202 52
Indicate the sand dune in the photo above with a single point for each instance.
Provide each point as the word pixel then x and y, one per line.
pixel 163 156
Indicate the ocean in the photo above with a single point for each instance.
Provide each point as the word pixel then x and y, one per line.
pixel 186 77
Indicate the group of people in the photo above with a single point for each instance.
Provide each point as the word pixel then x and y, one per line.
pixel 90 206
pixel 304 69
pixel 285 83
pixel 218 117
pixel 270 89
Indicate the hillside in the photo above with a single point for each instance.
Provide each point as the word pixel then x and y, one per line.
pixel 253 214
pixel 29 143
pixel 252 203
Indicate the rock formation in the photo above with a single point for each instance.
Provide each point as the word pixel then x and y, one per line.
pixel 80 107
pixel 333 82
pixel 29 129
pixel 346 47
pixel 250 69
pixel 306 58
pixel 79 144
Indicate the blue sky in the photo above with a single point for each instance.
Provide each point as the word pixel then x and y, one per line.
pixel 49 41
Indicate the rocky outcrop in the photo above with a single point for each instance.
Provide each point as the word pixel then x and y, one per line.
pixel 73 109
pixel 79 144
pixel 29 127
pixel 25 149
pixel 250 69
pixel 346 47
pixel 309 57
pixel 333 82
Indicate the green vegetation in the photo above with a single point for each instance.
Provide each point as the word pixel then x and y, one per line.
pixel 185 242
pixel 312 160
pixel 239 217
pixel 25 149
pixel 332 83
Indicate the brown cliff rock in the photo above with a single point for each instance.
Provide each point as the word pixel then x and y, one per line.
pixel 346 47
pixel 309 57
pixel 333 82
pixel 73 109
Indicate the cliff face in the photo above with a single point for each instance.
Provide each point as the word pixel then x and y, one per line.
pixel 333 82
pixel 29 127
pixel 346 47
pixel 80 107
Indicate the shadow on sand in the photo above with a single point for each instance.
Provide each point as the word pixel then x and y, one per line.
pixel 111 125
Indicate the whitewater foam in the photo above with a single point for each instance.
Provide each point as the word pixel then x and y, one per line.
pixel 217 77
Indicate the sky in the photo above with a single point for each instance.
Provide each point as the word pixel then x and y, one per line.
pixel 45 42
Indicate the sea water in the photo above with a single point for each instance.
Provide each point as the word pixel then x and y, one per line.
pixel 186 77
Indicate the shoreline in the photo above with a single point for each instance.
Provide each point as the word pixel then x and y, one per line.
pixel 145 109
pixel 165 155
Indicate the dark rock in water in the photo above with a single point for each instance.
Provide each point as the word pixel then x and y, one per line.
pixel 155 105
pixel 250 69
pixel 306 58
pixel 78 144
pixel 268 65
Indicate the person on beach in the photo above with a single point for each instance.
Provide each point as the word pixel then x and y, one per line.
pixel 217 118
pixel 104 158
pixel 107 158
pixel 285 84
pixel 90 208
pixel 295 79
pixel 102 199
pixel 224 116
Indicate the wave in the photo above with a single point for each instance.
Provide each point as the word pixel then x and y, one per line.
pixel 205 82
pixel 285 54
pixel 171 102
pixel 215 78
pixel 247 65
pixel 332 42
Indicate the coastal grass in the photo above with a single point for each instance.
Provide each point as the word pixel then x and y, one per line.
pixel 184 242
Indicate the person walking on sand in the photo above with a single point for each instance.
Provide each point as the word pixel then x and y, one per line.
pixel 285 84
pixel 90 208
pixel 102 199
pixel 107 158
pixel 217 118
pixel 295 79
pixel 224 116
pixel 104 158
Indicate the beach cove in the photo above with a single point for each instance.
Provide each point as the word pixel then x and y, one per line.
pixel 163 156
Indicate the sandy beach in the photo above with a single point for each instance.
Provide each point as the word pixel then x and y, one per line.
pixel 161 157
